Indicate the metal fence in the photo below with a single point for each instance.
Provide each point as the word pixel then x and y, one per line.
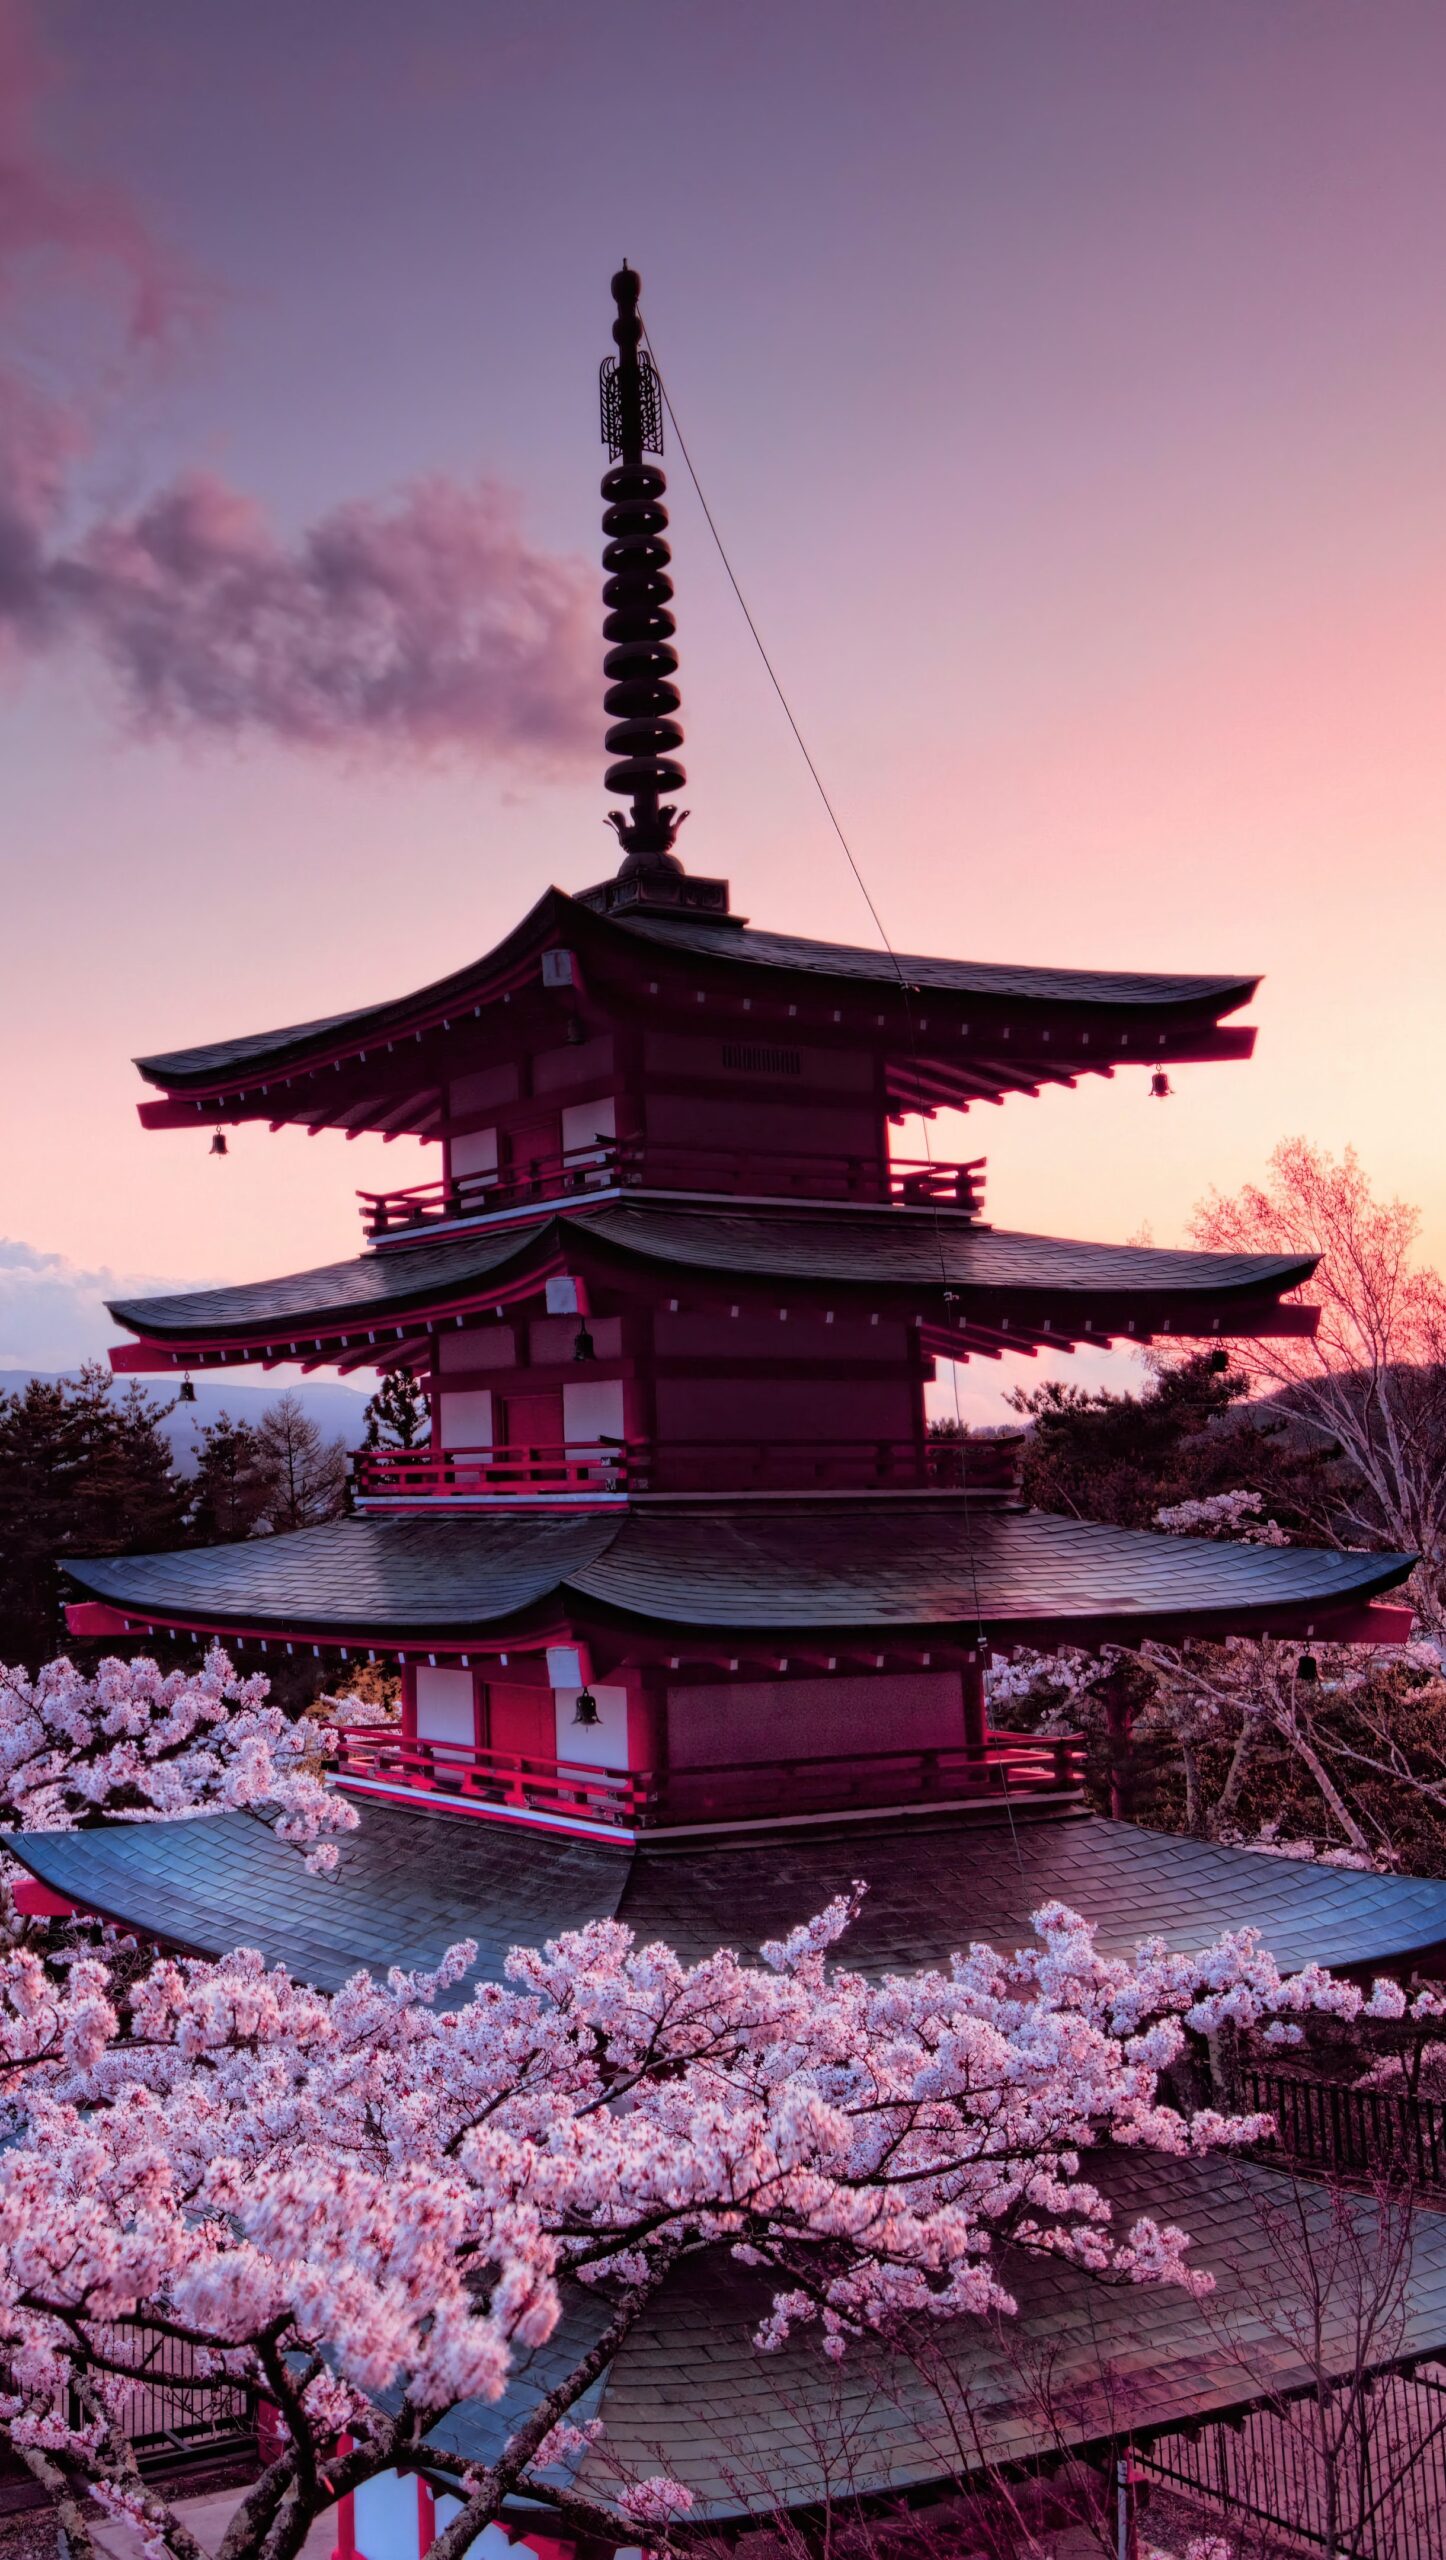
pixel 175 2409
pixel 1354 2132
pixel 1359 2473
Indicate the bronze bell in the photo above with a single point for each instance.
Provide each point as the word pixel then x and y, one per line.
pixel 1160 1085
pixel 585 1712
pixel 218 1143
pixel 185 1392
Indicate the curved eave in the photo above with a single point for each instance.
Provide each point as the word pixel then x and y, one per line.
pixel 412 1881
pixel 1054 1015
pixel 1003 1291
pixel 240 1063
pixel 697 1580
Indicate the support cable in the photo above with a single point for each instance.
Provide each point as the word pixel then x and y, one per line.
pixel 905 990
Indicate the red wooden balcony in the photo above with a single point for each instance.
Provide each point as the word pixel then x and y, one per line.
pixel 587 1472
pixel 580 1471
pixel 570 1792
pixel 909 1181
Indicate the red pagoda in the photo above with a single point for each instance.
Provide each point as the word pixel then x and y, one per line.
pixel 693 1615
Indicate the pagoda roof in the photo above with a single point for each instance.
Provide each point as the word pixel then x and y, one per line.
pixel 688 2392
pixel 412 1881
pixel 1082 2362
pixel 1156 1015
pixel 933 1561
pixel 908 1256
pixel 1006 981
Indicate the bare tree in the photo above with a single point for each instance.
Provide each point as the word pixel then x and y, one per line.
pixel 1373 1378
pixel 307 1473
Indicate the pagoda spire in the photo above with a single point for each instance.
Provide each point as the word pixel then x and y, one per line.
pixel 641 662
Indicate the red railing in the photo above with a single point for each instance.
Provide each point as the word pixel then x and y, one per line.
pixel 436 1475
pixel 1011 1764
pixel 909 1181
pixel 589 1469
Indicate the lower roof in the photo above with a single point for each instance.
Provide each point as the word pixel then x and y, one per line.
pixel 932 1562
pixel 412 1881
pixel 688 2393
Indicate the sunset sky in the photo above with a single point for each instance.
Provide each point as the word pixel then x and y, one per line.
pixel 1067 378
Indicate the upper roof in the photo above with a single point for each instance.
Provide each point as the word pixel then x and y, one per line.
pixel 914 1257
pixel 623 947
pixel 937 1562
pixel 1009 980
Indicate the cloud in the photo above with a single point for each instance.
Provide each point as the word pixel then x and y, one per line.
pixel 52 1313
pixel 427 623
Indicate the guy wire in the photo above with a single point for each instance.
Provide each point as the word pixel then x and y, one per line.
pixel 905 990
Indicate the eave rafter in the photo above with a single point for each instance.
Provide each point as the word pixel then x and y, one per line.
pixel 954 1318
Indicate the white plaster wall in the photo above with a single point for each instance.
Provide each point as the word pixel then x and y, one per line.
pixel 388 2517
pixel 603 1745
pixel 467 1418
pixel 585 1122
pixel 445 1706
pixel 474 1153
pixel 592 1410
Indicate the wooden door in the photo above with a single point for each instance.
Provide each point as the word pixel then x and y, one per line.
pixel 521 1721
pixel 532 1435
pixel 529 1157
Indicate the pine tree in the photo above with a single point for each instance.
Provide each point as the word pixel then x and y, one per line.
pixel 235 1482
pixel 84 1471
pixel 398 1416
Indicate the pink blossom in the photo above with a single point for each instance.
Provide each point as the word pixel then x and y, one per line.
pixel 137 1744
pixel 392 2197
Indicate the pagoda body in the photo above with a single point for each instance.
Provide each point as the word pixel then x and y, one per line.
pixel 679 1553
pixel 693 1615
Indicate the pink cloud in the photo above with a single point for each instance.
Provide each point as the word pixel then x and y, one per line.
pixel 425 623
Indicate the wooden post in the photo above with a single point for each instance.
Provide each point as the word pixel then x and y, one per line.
pixel 1119 1724
pixel 976 1714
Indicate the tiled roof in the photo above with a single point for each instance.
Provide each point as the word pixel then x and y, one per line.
pixel 689 2394
pixel 883 1249
pixel 206 1062
pixel 888 1563
pixel 985 978
pixel 411 1882
pixel 375 1285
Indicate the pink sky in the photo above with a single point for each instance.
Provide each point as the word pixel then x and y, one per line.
pixel 1070 385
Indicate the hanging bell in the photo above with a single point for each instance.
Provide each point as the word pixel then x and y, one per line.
pixel 185 1392
pixel 583 1347
pixel 585 1712
pixel 1160 1086
pixel 218 1143
pixel 1307 1669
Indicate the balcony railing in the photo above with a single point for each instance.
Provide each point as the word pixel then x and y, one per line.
pixel 909 1181
pixel 477 1780
pixel 581 1469
pixel 587 1471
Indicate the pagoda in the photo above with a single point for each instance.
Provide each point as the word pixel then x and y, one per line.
pixel 693 1615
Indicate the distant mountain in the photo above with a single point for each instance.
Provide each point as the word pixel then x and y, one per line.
pixel 336 1409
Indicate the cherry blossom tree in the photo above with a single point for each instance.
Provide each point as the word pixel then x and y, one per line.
pixel 1336 1710
pixel 364 2208
pixel 1372 1379
pixel 133 1743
